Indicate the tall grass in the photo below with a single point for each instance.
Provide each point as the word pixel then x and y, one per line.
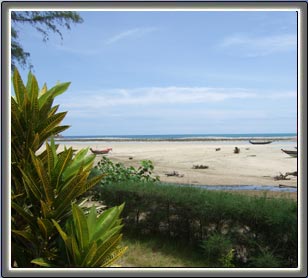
pixel 193 215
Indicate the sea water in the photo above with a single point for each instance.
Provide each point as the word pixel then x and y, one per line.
pixel 181 137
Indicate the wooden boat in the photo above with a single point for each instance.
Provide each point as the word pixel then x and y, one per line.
pixel 290 153
pixel 101 151
pixel 260 142
pixel 286 186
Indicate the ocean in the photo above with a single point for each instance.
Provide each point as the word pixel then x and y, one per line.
pixel 181 137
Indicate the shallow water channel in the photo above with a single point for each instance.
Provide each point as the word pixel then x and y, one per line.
pixel 242 187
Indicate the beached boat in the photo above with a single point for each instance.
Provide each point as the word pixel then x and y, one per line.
pixel 260 142
pixel 101 151
pixel 290 153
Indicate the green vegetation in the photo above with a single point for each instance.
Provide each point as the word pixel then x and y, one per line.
pixel 117 172
pixel 46 185
pixel 98 237
pixel 217 248
pixel 151 251
pixel 165 223
pixel 227 229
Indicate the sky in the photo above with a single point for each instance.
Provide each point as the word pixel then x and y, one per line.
pixel 172 72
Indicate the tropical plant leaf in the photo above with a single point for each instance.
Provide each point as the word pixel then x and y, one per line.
pixel 62 162
pixel 104 249
pixel 110 233
pixel 59 89
pixel 42 262
pixel 31 184
pixel 81 227
pixel 45 209
pixel 107 220
pixel 114 256
pixel 32 87
pixel 61 232
pixel 90 255
pixel 51 123
pixel 52 93
pixel 91 221
pixel 22 212
pixel 44 178
pixel 53 110
pixel 19 87
pixel 26 235
pixel 45 226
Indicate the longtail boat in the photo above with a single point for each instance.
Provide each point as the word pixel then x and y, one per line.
pixel 101 151
pixel 290 153
pixel 260 142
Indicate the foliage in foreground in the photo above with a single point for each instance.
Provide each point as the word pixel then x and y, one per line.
pixel 237 230
pixel 45 186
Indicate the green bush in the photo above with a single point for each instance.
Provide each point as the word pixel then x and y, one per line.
pixel 265 259
pixel 117 172
pixel 216 247
pixel 193 215
pixel 45 185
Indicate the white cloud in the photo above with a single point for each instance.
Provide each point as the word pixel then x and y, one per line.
pixel 137 32
pixel 88 49
pixel 261 46
pixel 166 95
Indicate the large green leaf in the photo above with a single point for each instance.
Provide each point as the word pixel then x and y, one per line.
pixel 19 87
pixel 32 185
pixel 106 221
pixel 28 218
pixel 45 227
pixel 91 221
pixel 53 92
pixel 26 235
pixel 53 110
pixel 89 256
pixel 105 249
pixel 46 210
pixel 44 178
pixel 80 160
pixel 33 90
pixel 114 256
pixel 109 233
pixel 81 227
pixel 51 123
pixel 42 262
pixel 61 232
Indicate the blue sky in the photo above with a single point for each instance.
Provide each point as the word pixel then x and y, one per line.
pixel 173 72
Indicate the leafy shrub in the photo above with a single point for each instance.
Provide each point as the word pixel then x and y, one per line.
pixel 226 260
pixel 265 259
pixel 92 241
pixel 216 248
pixel 45 185
pixel 117 172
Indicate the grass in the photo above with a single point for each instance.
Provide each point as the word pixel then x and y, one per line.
pixel 156 252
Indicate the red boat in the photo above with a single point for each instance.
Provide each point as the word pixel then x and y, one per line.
pixel 105 151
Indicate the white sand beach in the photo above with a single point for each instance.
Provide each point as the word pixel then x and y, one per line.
pixel 254 165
